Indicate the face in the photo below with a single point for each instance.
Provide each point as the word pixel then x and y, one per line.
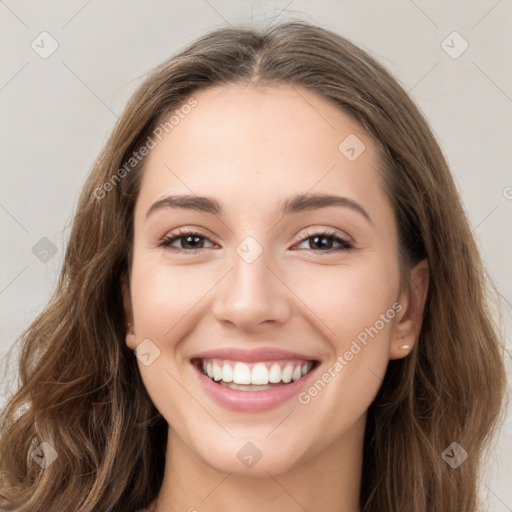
pixel 264 318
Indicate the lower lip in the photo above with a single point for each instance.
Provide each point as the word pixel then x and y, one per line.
pixel 251 401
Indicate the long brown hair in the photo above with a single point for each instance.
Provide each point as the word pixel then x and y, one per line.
pixel 81 391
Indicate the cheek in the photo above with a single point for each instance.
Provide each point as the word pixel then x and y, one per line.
pixel 164 295
pixel 348 300
pixel 165 302
pixel 359 307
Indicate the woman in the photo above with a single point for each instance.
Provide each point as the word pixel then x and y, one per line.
pixel 271 297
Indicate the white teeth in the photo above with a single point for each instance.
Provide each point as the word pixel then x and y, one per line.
pixel 217 372
pixel 286 376
pixel 209 369
pixel 274 375
pixel 242 387
pixel 241 374
pixel 259 374
pixel 227 373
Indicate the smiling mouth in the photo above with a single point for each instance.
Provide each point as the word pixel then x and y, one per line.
pixel 258 376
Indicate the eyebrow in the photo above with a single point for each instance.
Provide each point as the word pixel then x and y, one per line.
pixel 295 204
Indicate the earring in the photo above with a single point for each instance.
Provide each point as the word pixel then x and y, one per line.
pixel 405 347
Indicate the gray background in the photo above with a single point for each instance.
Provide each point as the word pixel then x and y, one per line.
pixel 58 111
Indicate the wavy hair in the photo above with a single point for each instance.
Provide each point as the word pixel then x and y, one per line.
pixel 80 390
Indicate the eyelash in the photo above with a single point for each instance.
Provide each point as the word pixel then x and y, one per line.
pixel 183 233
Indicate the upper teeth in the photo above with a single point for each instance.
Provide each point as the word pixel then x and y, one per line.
pixel 258 373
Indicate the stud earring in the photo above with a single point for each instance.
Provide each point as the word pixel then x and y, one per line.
pixel 405 347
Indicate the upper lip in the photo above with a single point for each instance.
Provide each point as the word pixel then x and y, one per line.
pixel 251 356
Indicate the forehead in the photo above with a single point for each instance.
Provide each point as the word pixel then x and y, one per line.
pixel 257 145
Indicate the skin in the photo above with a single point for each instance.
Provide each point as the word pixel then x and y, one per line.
pixel 251 148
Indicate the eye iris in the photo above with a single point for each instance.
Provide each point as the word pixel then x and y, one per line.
pixel 188 239
pixel 322 245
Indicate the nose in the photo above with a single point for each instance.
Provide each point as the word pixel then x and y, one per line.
pixel 252 296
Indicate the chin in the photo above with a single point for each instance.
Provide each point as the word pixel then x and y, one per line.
pixel 257 457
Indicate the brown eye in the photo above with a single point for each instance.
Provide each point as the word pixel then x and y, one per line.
pixel 323 242
pixel 189 241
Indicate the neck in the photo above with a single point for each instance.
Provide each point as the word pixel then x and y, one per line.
pixel 329 481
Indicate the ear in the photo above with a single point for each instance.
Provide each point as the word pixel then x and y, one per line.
pixel 130 337
pixel 409 319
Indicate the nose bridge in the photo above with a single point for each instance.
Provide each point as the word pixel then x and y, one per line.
pixel 250 267
pixel 251 294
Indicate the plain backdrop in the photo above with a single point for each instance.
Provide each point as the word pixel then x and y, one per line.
pixel 59 107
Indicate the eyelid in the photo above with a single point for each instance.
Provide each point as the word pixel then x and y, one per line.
pixel 331 232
